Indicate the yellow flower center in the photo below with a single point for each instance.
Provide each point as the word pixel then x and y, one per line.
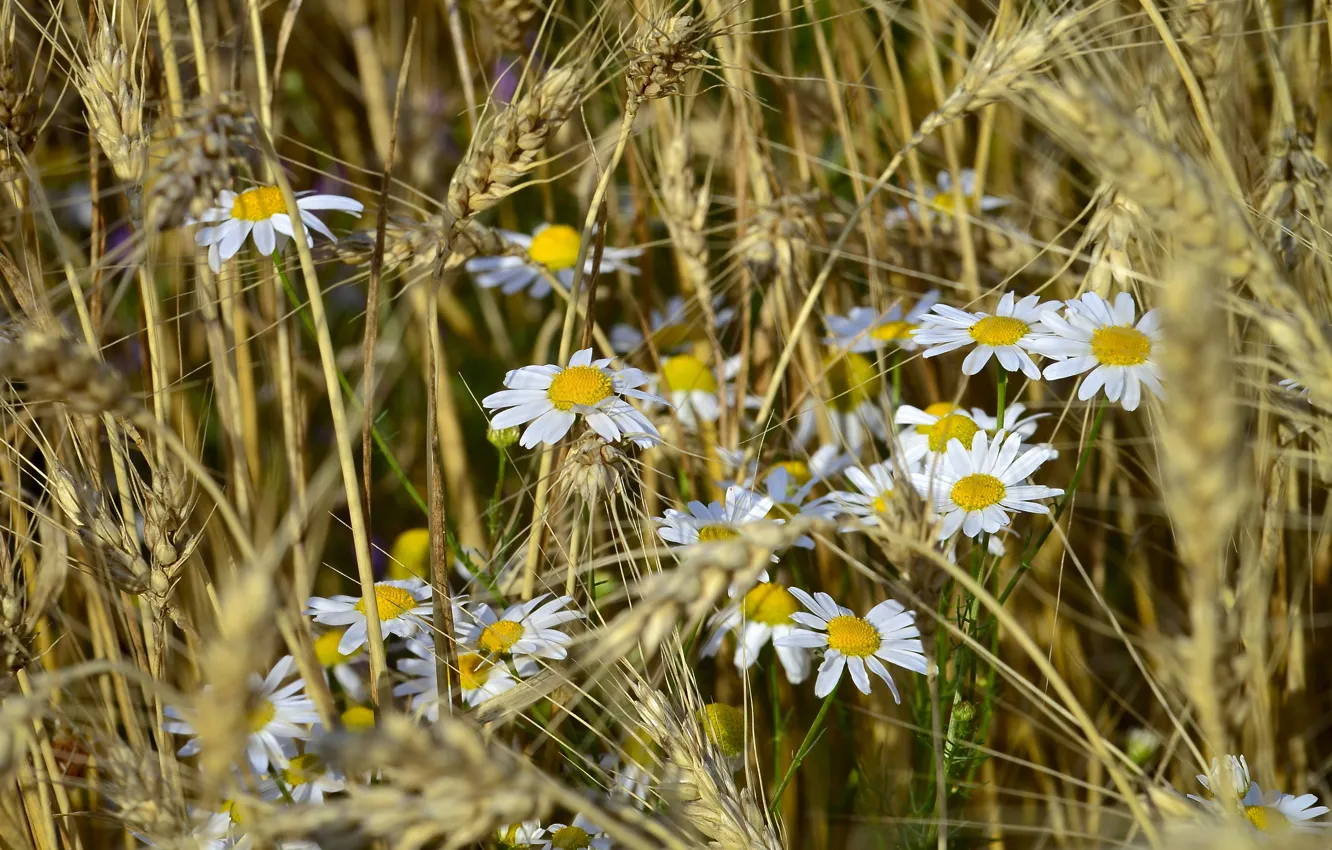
pixel 473 671
pixel 881 501
pixel 999 330
pixel 358 718
pixel 667 337
pixel 853 636
pixel 236 810
pixel 302 770
pixel 407 559
pixel 499 637
pixel 326 649
pixel 797 469
pixel 853 379
pixel 570 838
pixel 585 385
pixel 954 426
pixel 640 749
pixel 685 373
pixel 977 492
pixel 556 247
pixel 938 409
pixel 710 533
pixel 725 727
pixel 261 715
pixel 770 604
pixel 892 331
pixel 1120 346
pixel 1265 819
pixel 391 602
pixel 258 204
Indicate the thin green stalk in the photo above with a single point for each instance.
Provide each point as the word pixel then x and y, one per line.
pixel 348 391
pixel 1000 392
pixel 1060 505
pixel 492 510
pixel 805 746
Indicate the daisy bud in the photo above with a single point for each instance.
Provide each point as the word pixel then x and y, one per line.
pixel 1141 745
pixel 503 437
pixel 725 727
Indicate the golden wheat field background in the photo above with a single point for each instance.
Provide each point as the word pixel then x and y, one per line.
pixel 578 424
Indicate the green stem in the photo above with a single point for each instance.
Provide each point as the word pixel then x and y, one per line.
pixel 1060 505
pixel 1001 392
pixel 349 391
pixel 805 746
pixel 492 510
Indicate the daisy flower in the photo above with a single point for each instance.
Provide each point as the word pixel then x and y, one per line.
pixel 553 397
pixel 403 605
pixel 519 835
pixel 672 327
pixel 928 432
pixel 761 615
pixel 1009 335
pixel 717 521
pixel 790 499
pixel 695 389
pixel 478 678
pixel 1270 811
pixel 974 490
pixel 1294 387
pixel 305 780
pixel 582 834
pixel 260 212
pixel 343 668
pixel 855 405
pixel 280 714
pixel 1095 336
pixel 633 766
pixel 887 633
pixel 939 201
pixel 866 329
pixel 876 485
pixel 526 630
pixel 724 726
pixel 553 249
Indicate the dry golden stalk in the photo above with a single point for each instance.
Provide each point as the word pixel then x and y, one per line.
pixel 54 369
pixel 143 799
pixel 198 160
pixel 1209 33
pixel 113 100
pixel 1293 207
pixel 592 468
pixel 510 146
pixel 665 50
pixel 698 786
pixel 509 20
pixel 415 244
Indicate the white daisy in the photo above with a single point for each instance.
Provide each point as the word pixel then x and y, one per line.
pixel 673 328
pixel 403 605
pixel 1009 335
pixel 1093 335
pixel 866 329
pixel 519 835
pixel 928 432
pixel 307 779
pixel 887 633
pixel 262 213
pixel 552 248
pixel 1270 811
pixel 346 670
pixel 552 397
pixel 974 490
pixel 939 201
pixel 695 389
pixel 280 714
pixel 717 521
pixel 760 616
pixel 476 677
pixel 525 630
pixel 855 403
pixel 790 499
pixel 876 485
pixel 582 834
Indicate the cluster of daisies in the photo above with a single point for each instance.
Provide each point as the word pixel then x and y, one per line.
pixel 1270 811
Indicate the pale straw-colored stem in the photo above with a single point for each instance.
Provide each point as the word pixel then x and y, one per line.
pixel 566 343
pixel 175 91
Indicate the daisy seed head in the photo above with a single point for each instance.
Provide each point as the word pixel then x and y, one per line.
pixel 853 636
pixel 261 715
pixel 499 637
pixel 953 426
pixel 303 768
pixel 556 247
pixel 473 671
pixel 581 385
pixel 358 718
pixel 725 728
pixel 977 492
pixel 570 838
pixel 1120 346
pixel 709 533
pixel 258 204
pixel 770 604
pixel 326 649
pixel 391 602
pixel 1260 817
pixel 854 380
pixel 999 330
pixel 685 373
